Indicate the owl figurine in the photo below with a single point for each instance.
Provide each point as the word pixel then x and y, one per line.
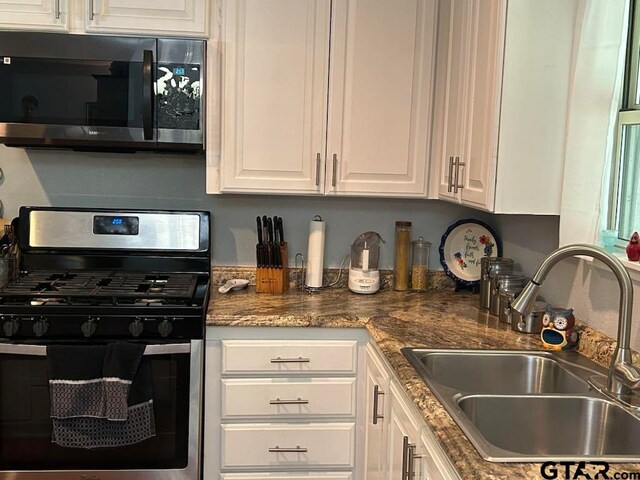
pixel 558 329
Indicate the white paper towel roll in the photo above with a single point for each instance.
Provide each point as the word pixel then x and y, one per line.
pixel 315 253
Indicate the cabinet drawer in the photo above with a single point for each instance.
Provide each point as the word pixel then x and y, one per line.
pixel 287 356
pixel 288 476
pixel 266 445
pixel 288 397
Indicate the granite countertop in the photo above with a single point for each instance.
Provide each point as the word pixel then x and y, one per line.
pixel 437 319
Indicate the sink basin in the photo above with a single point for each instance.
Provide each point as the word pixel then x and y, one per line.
pixel 530 428
pixel 498 372
pixel 523 406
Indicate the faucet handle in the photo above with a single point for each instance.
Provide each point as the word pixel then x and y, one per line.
pixel 628 375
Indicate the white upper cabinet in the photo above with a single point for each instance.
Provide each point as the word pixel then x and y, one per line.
pixel 186 18
pixel 157 17
pixel 274 95
pixel 35 14
pixel 502 86
pixel 451 90
pixel 380 97
pixel 311 110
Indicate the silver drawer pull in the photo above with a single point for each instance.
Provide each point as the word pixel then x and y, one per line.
pixel 376 394
pixel 290 360
pixel 298 449
pixel 298 401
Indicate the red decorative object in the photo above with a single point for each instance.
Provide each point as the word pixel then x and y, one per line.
pixel 633 249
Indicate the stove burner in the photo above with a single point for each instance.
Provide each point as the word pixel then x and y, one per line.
pixel 89 288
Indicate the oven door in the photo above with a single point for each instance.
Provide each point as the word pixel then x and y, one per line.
pixel 26 450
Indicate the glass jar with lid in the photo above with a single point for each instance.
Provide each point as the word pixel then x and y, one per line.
pixel 401 267
pixel 420 265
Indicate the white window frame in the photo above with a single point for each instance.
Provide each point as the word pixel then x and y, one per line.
pixel 629 114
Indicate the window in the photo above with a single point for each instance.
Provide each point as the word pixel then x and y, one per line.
pixel 625 202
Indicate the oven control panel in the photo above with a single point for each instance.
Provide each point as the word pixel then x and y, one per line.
pixel 94 326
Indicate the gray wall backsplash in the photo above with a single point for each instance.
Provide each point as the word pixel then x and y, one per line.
pixel 74 179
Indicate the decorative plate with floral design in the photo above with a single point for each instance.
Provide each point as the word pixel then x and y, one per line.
pixel 463 245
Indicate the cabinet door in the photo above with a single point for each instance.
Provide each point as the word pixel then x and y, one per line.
pixel 451 110
pixel 164 17
pixel 381 74
pixel 35 14
pixel 402 424
pixel 432 463
pixel 477 176
pixel 376 410
pixel 274 95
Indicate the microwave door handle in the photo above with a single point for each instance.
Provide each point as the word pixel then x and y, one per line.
pixel 147 94
pixel 41 350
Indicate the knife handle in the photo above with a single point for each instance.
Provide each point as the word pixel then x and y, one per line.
pixel 270 228
pixel 280 231
pixel 275 230
pixel 259 223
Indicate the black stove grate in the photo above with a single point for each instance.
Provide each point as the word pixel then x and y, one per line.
pixel 92 288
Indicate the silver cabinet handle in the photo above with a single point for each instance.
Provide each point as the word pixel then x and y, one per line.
pixel 318 159
pixel 335 170
pixel 290 360
pixel 376 394
pixel 297 449
pixel 91 13
pixel 57 7
pixel 298 401
pixel 405 458
pixel 456 185
pixel 411 461
pixel 450 183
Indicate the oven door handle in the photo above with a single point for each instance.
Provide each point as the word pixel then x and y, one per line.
pixel 41 350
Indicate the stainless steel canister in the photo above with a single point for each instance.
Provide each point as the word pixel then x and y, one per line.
pixel 506 293
pixel 531 323
pixel 487 265
pixel 509 281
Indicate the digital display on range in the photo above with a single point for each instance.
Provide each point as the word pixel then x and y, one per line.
pixel 110 225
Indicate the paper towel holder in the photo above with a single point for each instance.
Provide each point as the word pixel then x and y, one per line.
pixel 302 282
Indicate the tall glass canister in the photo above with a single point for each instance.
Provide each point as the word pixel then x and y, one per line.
pixel 401 270
pixel 420 265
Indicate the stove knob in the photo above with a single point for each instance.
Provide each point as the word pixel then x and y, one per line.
pixel 136 327
pixel 89 327
pixel 40 327
pixel 165 328
pixel 11 327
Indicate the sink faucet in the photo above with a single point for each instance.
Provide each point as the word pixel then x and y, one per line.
pixel 623 376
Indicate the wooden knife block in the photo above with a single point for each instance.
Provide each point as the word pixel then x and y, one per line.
pixel 274 280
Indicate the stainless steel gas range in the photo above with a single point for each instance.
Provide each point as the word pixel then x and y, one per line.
pixel 92 277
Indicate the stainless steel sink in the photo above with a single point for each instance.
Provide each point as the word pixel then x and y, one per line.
pixel 530 428
pixel 517 406
pixel 500 372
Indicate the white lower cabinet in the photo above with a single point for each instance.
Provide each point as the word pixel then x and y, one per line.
pixel 288 397
pixel 376 416
pixel 399 446
pixel 404 433
pixel 283 404
pixel 337 413
pixel 309 445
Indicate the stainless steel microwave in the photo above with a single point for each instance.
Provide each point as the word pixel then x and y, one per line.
pixel 101 93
